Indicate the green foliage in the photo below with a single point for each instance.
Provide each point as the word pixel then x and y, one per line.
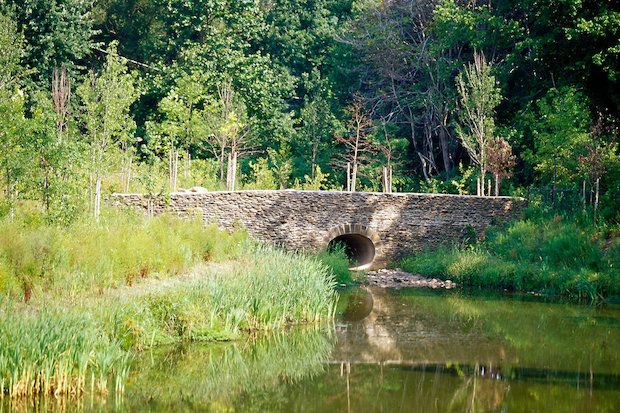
pixel 538 253
pixel 262 176
pixel 265 289
pixel 317 183
pixel 479 95
pixel 36 257
pixel 11 45
pixel 338 264
pixel 58 34
pixel 107 98
pixel 560 124
pixel 49 351
pixel 56 353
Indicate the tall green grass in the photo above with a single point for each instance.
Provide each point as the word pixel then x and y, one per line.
pixel 338 263
pixel 56 353
pixel 265 289
pixel 79 342
pixel 86 256
pixel 550 255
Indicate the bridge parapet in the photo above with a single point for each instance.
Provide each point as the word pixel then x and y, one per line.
pixel 395 223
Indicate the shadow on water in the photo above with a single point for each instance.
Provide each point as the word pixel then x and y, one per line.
pixel 393 351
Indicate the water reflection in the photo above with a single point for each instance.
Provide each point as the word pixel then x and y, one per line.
pixel 393 351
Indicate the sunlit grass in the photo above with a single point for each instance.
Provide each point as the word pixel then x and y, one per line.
pixel 544 255
pixel 89 256
pixel 56 353
pixel 85 345
pixel 265 289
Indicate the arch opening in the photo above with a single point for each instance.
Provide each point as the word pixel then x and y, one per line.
pixel 359 249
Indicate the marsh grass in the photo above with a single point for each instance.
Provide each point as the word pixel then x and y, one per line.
pixel 74 345
pixel 37 257
pixel 264 289
pixel 50 352
pixel 335 258
pixel 78 299
pixel 549 255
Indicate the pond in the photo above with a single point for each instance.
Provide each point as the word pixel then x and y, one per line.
pixel 410 350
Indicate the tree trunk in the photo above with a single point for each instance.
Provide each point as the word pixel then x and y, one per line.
pixel 584 196
pixel 222 153
pixel 234 172
pixel 128 175
pixel 46 201
pixel 445 153
pixel 348 177
pixel 496 184
pixel 231 171
pixel 315 148
pixel 188 164
pixel 354 177
pixel 97 198
pixel 176 170
pixel 596 201
pixel 90 192
pixel 384 179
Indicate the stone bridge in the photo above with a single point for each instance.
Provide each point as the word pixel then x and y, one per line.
pixel 375 228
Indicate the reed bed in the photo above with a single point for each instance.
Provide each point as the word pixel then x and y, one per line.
pixel 71 311
pixel 57 353
pixel 265 289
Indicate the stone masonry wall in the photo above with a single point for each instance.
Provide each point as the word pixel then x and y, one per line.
pixel 397 223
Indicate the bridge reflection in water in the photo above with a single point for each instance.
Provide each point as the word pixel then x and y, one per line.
pixel 412 350
pixel 509 354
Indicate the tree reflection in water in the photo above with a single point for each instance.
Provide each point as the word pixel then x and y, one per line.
pixel 393 351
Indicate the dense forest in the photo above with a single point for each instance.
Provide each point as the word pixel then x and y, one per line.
pixel 487 97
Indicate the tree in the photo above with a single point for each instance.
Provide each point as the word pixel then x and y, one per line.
pixel 107 98
pixel 59 34
pixel 356 142
pixel 479 95
pixel 559 125
pixel 318 121
pixel 228 129
pixel 597 157
pixel 182 123
pixel 392 148
pixel 12 117
pixel 500 160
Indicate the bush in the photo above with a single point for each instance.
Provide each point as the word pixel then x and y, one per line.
pixel 336 260
pixel 538 253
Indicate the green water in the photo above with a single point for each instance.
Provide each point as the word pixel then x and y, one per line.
pixel 392 351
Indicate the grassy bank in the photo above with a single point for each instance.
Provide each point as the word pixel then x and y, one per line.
pixel 552 255
pixel 78 300
pixel 69 347
pixel 265 289
pixel 37 257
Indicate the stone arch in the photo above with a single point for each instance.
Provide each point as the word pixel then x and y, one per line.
pixel 361 243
